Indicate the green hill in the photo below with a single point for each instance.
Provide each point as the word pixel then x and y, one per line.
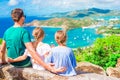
pixel 86 13
pixel 67 23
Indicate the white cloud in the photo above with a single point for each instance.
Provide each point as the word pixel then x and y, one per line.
pixel 51 6
pixel 36 1
pixel 42 7
pixel 105 1
pixel 13 2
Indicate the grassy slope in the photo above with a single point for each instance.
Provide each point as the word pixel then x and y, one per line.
pixel 69 22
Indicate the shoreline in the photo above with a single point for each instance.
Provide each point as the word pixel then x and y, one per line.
pixel 84 47
pixel 61 23
pixel 83 27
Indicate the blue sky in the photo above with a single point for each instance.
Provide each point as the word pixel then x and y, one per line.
pixel 43 7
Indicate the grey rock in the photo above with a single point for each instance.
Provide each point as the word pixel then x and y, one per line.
pixel 13 73
pixel 114 72
pixel 118 63
pixel 86 67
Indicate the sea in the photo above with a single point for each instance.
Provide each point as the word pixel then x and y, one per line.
pixel 76 38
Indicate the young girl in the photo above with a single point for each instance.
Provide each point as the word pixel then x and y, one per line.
pixel 63 55
pixel 41 48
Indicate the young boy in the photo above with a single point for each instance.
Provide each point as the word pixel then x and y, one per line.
pixel 62 55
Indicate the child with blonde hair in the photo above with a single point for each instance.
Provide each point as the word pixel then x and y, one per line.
pixel 62 55
pixel 41 48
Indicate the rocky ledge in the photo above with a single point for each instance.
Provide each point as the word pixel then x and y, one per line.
pixel 85 71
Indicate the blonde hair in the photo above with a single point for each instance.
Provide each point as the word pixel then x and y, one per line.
pixel 38 33
pixel 60 37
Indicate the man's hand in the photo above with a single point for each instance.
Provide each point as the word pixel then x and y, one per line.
pixel 61 69
pixel 2 62
pixel 54 70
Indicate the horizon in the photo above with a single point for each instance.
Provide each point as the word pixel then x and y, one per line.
pixel 39 7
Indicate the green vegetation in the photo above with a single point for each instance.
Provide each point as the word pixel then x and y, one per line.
pixel 113 31
pixel 0 40
pixel 104 52
pixel 75 23
pixel 69 22
pixel 114 22
pixel 108 30
pixel 91 12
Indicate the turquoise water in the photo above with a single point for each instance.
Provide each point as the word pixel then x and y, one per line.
pixel 77 37
pixel 106 18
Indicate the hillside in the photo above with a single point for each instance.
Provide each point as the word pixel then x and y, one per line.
pixel 67 23
pixel 78 18
pixel 86 13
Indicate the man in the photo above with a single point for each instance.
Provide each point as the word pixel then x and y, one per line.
pixel 16 39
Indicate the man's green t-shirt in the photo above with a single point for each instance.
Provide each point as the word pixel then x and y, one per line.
pixel 15 38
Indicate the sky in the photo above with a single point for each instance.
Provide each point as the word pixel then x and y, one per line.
pixel 45 7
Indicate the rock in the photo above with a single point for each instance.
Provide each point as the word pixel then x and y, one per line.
pixel 114 72
pixel 13 73
pixel 86 67
pixel 118 63
pixel 1 74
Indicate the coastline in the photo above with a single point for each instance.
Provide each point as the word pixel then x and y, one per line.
pixel 65 23
pixel 35 23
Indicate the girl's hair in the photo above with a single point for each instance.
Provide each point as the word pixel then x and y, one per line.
pixel 38 33
pixel 17 14
pixel 60 37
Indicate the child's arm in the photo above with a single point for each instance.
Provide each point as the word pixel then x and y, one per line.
pixel 20 58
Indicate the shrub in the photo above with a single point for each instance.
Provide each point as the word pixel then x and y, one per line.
pixel 0 40
pixel 104 52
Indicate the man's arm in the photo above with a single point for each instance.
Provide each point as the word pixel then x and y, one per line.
pixel 36 57
pixel 20 58
pixel 2 52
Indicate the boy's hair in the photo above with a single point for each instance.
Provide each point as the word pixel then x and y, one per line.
pixel 60 37
pixel 17 14
pixel 37 33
